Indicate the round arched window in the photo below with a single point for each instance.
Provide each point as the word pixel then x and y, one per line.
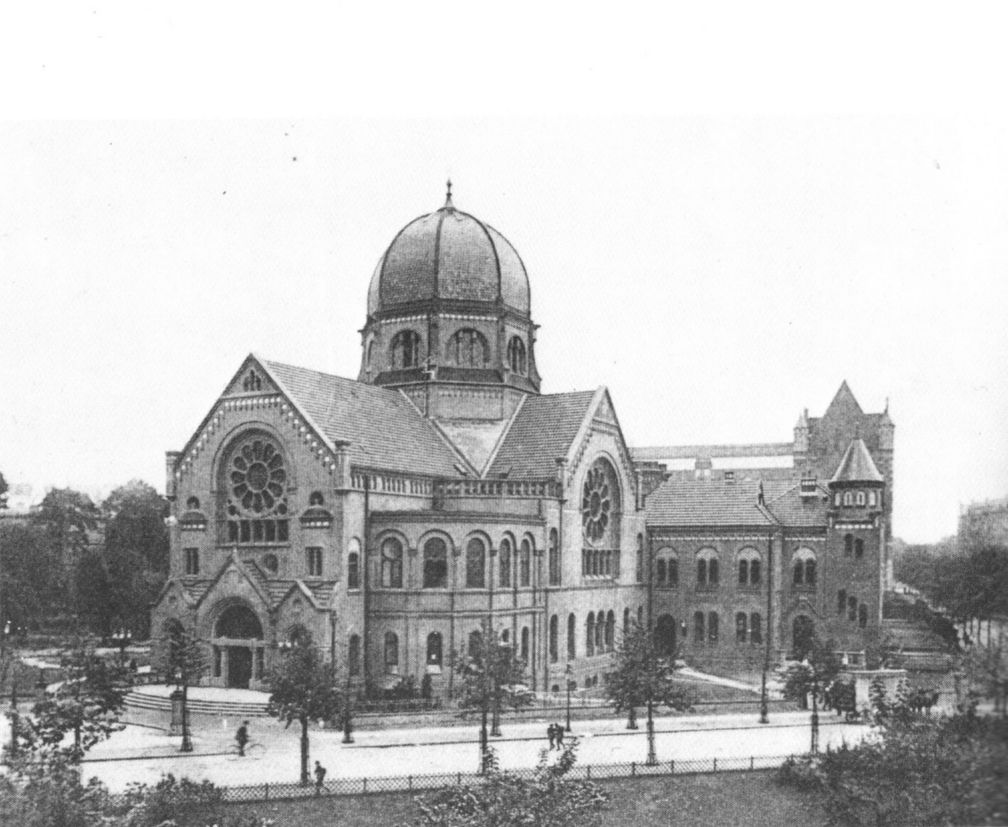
pixel 599 501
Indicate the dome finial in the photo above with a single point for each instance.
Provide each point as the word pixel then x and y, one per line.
pixel 448 205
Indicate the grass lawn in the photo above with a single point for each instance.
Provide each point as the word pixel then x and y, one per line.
pixel 747 798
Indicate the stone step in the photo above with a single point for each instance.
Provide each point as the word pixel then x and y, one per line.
pixel 160 703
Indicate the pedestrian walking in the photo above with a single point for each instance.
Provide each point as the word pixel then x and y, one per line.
pixel 551 734
pixel 320 772
pixel 559 730
pixel 242 737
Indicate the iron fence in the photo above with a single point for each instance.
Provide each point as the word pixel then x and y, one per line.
pixel 281 791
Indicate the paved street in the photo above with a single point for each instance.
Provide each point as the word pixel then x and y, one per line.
pixel 133 755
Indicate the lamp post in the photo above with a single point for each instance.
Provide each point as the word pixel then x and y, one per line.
pixel 347 727
pixel 764 717
pixel 122 637
pixel 183 680
pixel 814 746
pixel 568 674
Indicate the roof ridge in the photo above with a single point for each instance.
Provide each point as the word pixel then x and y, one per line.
pixel 440 433
pixel 503 436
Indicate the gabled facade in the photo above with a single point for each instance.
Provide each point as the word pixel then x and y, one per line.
pixel 392 517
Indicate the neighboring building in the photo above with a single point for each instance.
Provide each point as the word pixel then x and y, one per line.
pixel 814 531
pixel 391 517
pixel 983 523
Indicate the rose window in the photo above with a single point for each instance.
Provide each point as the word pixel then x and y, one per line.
pixel 598 501
pixel 257 476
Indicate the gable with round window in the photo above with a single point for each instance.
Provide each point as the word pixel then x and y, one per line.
pixel 600 509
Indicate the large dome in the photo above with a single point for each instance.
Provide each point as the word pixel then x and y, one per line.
pixel 449 256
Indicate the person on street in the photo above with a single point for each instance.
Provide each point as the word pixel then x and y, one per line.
pixel 320 772
pixel 551 734
pixel 242 737
pixel 559 730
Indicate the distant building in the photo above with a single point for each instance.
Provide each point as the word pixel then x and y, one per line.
pixel 984 523
pixel 391 517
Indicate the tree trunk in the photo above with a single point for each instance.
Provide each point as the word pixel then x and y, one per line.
pixel 652 758
pixel 632 718
pixel 304 750
pixel 484 746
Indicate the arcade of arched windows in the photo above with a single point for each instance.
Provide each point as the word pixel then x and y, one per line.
pixel 850 608
pixel 803 569
pixel 469 565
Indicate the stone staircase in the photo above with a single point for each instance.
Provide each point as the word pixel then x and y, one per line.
pixel 141 700
pixel 916 636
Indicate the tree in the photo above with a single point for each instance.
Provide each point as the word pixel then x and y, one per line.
pixel 506 798
pixel 813 675
pixel 135 552
pixel 86 704
pixel 643 677
pixel 490 676
pixel 3 491
pixel 303 689
pixel 183 660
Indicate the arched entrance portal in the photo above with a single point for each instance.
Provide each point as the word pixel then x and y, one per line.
pixel 665 636
pixel 802 633
pixel 238 647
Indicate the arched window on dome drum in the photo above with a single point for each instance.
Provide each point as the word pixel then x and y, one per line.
pixel 554 639
pixel 391 564
pixel 467 348
pixel 516 355
pixel 872 499
pixel 475 564
pixel 435 564
pixel 391 652
pixel 525 564
pixel 405 350
pixel 505 563
pixel 571 636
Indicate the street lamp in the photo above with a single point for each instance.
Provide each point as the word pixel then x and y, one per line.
pixel 183 681
pixel 764 702
pixel 122 637
pixel 347 728
pixel 568 674
pixel 814 746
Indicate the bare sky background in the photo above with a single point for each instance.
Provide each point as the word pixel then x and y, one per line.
pixel 718 267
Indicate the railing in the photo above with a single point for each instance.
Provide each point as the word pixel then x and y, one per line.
pixel 495 488
pixel 436 781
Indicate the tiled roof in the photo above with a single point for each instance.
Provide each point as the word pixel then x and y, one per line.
pixel 713 502
pixel 543 430
pixel 383 427
pixel 857 465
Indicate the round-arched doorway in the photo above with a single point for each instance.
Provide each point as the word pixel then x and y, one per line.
pixel 238 647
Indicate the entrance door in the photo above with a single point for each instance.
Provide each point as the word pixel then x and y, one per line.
pixel 802 634
pixel 239 667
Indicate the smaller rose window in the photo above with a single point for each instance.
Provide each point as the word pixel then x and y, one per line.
pixel 598 502
pixel 258 476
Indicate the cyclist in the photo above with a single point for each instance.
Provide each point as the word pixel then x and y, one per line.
pixel 242 737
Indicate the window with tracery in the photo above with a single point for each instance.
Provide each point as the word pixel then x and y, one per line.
pixel 435 564
pixel 405 349
pixel 599 501
pixel 257 501
pixel 391 563
pixel 252 381
pixel 516 355
pixel 475 564
pixel 554 558
pixel 525 564
pixel 467 348
pixel 504 553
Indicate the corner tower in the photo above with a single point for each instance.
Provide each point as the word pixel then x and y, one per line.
pixel 448 319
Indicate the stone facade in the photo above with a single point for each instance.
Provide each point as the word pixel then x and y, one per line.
pixel 389 518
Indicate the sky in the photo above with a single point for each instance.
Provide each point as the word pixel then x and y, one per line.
pixel 720 261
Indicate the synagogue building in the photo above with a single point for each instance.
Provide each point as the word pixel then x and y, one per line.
pixel 392 517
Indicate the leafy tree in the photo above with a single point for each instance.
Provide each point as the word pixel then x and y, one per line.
pixel 490 677
pixel 30 592
pixel 643 677
pixel 507 798
pixel 136 551
pixel 986 670
pixel 303 689
pixel 814 675
pixel 86 704
pixel 3 491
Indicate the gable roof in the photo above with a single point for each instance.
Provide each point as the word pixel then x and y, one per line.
pixel 384 428
pixel 857 465
pixel 716 502
pixel 542 431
